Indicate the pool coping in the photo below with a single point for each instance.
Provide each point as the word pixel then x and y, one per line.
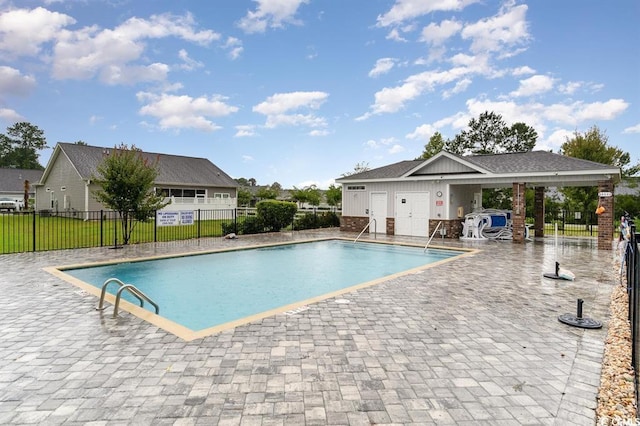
pixel 188 335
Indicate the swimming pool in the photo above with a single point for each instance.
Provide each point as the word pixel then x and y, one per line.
pixel 204 292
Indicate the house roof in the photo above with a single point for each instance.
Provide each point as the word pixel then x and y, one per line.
pixel 542 166
pixel 12 180
pixel 172 169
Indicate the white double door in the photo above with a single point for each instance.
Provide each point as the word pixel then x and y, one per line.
pixel 412 214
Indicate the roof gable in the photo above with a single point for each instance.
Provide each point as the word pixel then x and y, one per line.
pixel 444 163
pixel 172 169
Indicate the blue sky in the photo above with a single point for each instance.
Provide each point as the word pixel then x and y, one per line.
pixel 300 91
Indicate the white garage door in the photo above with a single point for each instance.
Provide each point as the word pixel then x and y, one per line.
pixel 412 214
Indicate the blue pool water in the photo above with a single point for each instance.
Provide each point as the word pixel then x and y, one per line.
pixel 207 290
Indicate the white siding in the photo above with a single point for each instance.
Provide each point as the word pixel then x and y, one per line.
pixel 444 165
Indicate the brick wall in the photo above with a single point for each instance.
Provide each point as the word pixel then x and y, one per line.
pixel 519 213
pixel 605 220
pixel 453 227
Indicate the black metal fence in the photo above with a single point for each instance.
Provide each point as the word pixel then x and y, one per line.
pixel 631 267
pixel 571 223
pixel 46 230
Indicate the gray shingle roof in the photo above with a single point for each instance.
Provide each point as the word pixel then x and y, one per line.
pixel 534 161
pixel 391 171
pixel 12 180
pixel 172 169
pixel 520 162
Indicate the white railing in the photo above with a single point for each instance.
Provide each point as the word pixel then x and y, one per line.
pixel 195 203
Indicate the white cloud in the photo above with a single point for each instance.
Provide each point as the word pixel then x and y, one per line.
pixel 522 71
pixel 234 45
pixel 24 31
pixel 404 10
pixel 632 129
pixel 394 35
pixel 13 82
pixel 383 66
pixel 283 102
pixel 247 159
pixel 423 132
pixel 246 130
pixel 184 112
pixel 396 149
pixel 436 35
pixel 508 29
pixel 10 116
pixel 271 14
pixel 393 99
pixel 382 143
pixel 460 87
pixel 188 64
pixel 569 88
pixel 318 133
pixel 109 53
pixel 534 86
pixel 555 140
pixel 281 108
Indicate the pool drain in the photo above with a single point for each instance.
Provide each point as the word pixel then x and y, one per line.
pixel 578 320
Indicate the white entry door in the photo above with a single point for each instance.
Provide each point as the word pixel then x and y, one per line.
pixel 412 214
pixel 378 211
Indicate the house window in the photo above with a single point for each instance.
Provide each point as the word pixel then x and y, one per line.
pixel 221 195
pixel 175 192
pixel 189 193
pixel 355 188
pixel 162 192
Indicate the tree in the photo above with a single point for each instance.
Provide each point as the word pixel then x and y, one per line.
pixel 19 147
pixel 435 145
pixel 334 195
pixel 244 197
pixel 299 196
pixel 520 138
pixel 125 180
pixel 489 134
pixel 313 195
pixel 267 193
pixel 592 145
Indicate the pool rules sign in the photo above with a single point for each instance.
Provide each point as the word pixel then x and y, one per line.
pixel 183 217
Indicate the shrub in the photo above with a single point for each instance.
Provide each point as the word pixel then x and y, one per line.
pixel 275 215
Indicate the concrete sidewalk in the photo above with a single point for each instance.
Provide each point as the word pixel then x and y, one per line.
pixel 470 342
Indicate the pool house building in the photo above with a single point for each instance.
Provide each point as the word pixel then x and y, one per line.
pixel 414 197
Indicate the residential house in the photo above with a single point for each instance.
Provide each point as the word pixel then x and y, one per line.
pixel 14 183
pixel 189 183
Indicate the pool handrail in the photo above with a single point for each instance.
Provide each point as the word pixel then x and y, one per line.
pixel 431 238
pixel 104 291
pixel 137 293
pixel 375 229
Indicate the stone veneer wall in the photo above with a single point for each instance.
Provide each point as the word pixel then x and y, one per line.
pixel 453 227
pixel 353 223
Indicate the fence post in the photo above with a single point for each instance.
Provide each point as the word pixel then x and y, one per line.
pixel 101 229
pixel 155 226
pixel 34 230
pixel 198 226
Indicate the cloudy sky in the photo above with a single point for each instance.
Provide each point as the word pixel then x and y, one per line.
pixel 300 91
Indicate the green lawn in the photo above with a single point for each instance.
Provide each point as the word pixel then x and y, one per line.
pixel 20 232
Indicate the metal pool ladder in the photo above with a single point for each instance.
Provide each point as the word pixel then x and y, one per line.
pixel 128 287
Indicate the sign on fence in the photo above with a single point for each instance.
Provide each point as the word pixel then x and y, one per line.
pixel 184 217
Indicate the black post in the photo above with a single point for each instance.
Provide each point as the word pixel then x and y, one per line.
pixel 101 228
pixel 579 313
pixel 34 230
pixel 155 226
pixel 198 224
